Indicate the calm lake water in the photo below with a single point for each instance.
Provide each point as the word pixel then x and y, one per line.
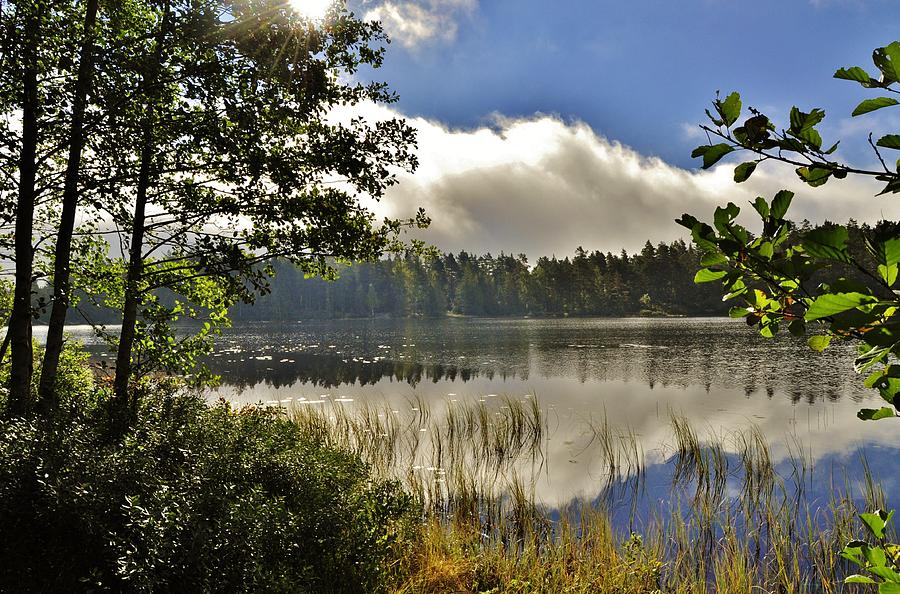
pixel 632 374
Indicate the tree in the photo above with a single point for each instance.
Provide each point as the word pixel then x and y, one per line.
pixel 70 196
pixel 210 151
pixel 809 277
pixel 36 43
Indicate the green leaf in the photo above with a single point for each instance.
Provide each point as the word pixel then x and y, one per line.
pixel 705 275
pixel 891 141
pixel 797 327
pixel 888 588
pixel 811 137
pixel 725 215
pixel 868 358
pixel 743 171
pixel 888 61
pixel 766 250
pixel 792 144
pixel 872 104
pixel 730 109
pixel 713 259
pixel 875 378
pixel 805 121
pixel 687 221
pixel 886 573
pixel 877 521
pixel 714 119
pixel 885 251
pixel 814 176
pixel 827 242
pixel 803 127
pixel 871 414
pixel 892 187
pixel 853 549
pixel 781 203
pixel 888 273
pixel 819 343
pixel 738 312
pixel 859 579
pixel 704 236
pixel 855 73
pixel 768 327
pixel 888 388
pixel 830 304
pixel 761 206
pixel 711 153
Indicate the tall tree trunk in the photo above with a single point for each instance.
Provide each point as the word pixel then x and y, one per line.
pixel 22 364
pixel 133 282
pixel 62 256
pixel 123 409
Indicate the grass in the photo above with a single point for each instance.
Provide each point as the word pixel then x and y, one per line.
pixel 733 524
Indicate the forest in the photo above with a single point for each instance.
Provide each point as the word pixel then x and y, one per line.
pixel 657 281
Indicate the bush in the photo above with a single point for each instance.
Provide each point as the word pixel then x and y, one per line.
pixel 195 498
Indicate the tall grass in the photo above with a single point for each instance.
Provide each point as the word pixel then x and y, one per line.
pixel 731 524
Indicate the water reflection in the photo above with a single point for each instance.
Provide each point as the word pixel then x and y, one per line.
pixel 711 353
pixel 630 374
pixel 283 369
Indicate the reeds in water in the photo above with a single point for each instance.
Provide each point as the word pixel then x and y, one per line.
pixel 732 523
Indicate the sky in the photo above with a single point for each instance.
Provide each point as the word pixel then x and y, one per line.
pixel 548 125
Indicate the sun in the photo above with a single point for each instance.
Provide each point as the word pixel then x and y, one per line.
pixel 313 9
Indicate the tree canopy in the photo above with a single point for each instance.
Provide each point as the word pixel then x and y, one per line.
pixel 176 147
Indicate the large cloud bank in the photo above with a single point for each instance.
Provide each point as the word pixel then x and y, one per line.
pixel 543 186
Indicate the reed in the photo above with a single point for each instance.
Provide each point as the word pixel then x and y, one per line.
pixel 732 524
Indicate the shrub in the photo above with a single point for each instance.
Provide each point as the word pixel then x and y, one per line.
pixel 195 498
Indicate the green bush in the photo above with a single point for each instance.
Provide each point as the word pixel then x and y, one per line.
pixel 195 498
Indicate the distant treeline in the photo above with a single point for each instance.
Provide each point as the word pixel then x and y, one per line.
pixel 657 281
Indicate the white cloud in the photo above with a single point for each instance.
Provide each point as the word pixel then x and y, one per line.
pixel 691 131
pixel 544 186
pixel 413 22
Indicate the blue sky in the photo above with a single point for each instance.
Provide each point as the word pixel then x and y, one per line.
pixel 637 75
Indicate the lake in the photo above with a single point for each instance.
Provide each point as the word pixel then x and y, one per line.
pixel 628 375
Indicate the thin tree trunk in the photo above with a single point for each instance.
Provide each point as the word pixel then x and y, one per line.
pixel 62 256
pixel 22 364
pixel 133 280
pixel 5 346
pixel 122 407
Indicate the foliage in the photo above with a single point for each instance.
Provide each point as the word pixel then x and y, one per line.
pixel 195 498
pixel 211 146
pixel 881 559
pixel 778 274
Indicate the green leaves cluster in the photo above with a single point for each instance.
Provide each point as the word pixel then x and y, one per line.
pixel 801 144
pixel 881 559
pixel 784 276
pixel 777 277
